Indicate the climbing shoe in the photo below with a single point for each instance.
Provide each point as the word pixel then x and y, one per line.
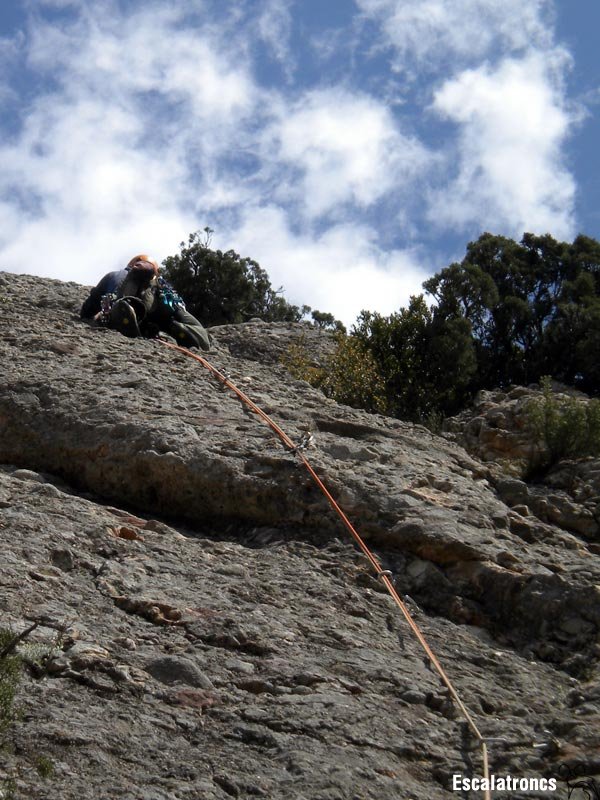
pixel 188 335
pixel 182 334
pixel 124 319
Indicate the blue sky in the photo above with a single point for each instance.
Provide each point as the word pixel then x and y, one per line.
pixel 352 147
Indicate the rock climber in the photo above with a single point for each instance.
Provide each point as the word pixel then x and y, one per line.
pixel 137 301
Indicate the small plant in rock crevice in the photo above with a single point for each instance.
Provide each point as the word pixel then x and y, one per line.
pixel 10 674
pixel 11 669
pixel 564 426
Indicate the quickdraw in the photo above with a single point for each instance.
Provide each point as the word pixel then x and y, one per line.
pixel 168 296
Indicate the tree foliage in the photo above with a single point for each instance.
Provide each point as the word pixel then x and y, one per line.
pixel 350 375
pixel 508 313
pixel 524 301
pixel 426 361
pixel 327 322
pixel 10 673
pixel 221 288
pixel 566 426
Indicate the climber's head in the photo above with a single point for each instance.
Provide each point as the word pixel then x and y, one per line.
pixel 143 262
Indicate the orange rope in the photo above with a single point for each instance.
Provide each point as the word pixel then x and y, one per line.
pixel 381 574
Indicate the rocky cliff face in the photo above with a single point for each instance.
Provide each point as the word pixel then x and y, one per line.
pixel 205 629
pixel 495 430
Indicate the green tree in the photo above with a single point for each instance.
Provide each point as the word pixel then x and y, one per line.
pixel 327 322
pixel 451 364
pixel 509 312
pixel 426 359
pixel 398 345
pixel 523 302
pixel 349 375
pixel 221 288
pixel 572 339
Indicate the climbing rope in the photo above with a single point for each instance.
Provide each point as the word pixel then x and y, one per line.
pixel 383 575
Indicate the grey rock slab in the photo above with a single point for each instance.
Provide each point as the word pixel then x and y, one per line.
pixel 355 727
pixel 176 669
pixel 196 537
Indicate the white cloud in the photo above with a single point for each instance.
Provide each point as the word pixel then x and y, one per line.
pixel 432 32
pixel 274 25
pixel 150 50
pixel 120 150
pixel 145 130
pixel 43 247
pixel 511 175
pixel 150 122
pixel 54 3
pixel 11 50
pixel 84 193
pixel 505 167
pixel 342 271
pixel 347 149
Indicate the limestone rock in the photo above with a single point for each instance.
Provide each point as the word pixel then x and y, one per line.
pixel 234 642
pixel 175 669
pixel 495 431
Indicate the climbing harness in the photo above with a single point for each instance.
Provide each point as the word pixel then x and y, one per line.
pixel 385 576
